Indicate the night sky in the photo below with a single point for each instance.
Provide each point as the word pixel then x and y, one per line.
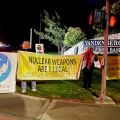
pixel 17 18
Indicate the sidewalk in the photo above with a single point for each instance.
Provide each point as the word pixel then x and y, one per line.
pixel 22 107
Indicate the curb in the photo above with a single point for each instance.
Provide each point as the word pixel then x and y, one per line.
pixel 31 97
pixel 107 100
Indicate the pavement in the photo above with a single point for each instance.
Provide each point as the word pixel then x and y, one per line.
pixel 14 106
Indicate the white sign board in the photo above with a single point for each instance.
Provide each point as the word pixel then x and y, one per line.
pixel 8 65
pixel 39 48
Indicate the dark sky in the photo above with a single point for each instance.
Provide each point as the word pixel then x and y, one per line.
pixel 17 18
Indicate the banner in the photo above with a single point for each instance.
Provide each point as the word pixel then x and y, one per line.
pixel 35 66
pixel 97 45
pixel 113 67
pixel 8 65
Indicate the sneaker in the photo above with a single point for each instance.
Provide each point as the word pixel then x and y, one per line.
pixel 23 91
pixel 34 90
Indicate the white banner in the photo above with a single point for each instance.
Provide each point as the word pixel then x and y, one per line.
pixel 97 45
pixel 8 65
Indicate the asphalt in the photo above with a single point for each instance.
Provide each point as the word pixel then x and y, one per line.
pixel 14 106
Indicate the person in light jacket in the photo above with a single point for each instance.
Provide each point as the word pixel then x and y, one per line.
pixel 26 47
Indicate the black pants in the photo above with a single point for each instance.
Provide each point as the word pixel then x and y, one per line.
pixel 87 77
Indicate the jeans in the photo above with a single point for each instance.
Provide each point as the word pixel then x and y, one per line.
pixel 24 86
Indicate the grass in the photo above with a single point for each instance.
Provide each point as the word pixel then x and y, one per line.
pixel 73 90
pixel 113 90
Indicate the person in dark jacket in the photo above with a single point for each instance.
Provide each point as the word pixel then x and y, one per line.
pixel 26 47
pixel 88 67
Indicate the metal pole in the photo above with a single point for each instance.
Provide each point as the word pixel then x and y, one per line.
pixel 104 69
pixel 30 38
pixel 40 25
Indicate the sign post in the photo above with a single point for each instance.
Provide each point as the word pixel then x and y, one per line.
pixel 104 69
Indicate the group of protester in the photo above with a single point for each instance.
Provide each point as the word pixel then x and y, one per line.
pixel 87 66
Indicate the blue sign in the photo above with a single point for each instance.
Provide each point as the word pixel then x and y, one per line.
pixel 5 67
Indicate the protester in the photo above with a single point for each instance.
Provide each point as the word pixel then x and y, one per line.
pixel 26 47
pixel 88 67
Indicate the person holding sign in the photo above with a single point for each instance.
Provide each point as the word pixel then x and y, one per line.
pixel 88 67
pixel 26 47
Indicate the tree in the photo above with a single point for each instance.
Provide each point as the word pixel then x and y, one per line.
pixel 113 19
pixel 115 8
pixel 100 32
pixel 73 36
pixel 54 32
